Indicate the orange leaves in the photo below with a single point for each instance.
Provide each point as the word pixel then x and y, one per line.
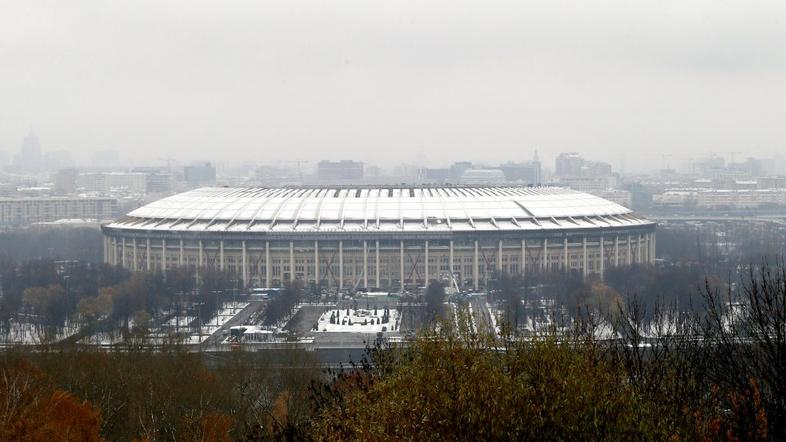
pixel 62 417
pixel 32 411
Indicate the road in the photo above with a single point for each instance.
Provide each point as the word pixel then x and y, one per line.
pixel 239 319
pixel 481 316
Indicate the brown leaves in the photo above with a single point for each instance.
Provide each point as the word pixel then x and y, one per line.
pixel 31 410
pixel 453 389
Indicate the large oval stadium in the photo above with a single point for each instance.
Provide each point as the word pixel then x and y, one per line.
pixel 389 237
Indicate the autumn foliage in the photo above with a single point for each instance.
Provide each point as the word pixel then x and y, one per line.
pixel 31 409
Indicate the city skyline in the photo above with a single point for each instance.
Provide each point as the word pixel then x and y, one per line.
pixel 406 83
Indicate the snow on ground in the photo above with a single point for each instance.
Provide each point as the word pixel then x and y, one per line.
pixel 182 322
pixel 26 333
pixel 354 322
pixel 372 294
pixel 493 316
pixel 216 322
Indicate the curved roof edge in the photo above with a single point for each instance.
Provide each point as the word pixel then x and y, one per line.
pixel 382 209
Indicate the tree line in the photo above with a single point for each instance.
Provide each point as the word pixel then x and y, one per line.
pixel 46 294
pixel 718 374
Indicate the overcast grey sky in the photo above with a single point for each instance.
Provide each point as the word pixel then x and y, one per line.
pixel 383 81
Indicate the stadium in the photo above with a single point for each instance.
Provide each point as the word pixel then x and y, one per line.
pixel 390 237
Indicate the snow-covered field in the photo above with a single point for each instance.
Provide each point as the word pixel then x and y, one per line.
pixel 359 321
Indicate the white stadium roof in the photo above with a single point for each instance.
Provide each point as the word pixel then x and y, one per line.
pixel 378 209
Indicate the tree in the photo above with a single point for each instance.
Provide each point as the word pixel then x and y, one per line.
pixel 450 387
pixel 745 341
pixel 282 305
pixel 510 295
pixel 49 303
pixel 31 408
pixel 435 296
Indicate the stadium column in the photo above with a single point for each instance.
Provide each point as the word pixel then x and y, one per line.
pixel 543 261
pixel 616 250
pixel 316 263
pixel 475 266
pixel 221 254
pixel 291 261
pixel 499 258
pixel 245 264
pixel 114 251
pixel 602 258
pixel 450 267
pixel 365 264
pixel 425 272
pixel 201 260
pixel 163 255
pixel 584 251
pixel 376 262
pixel 638 248
pixel 630 258
pixel 268 279
pixel 341 265
pixel 565 263
pixel 136 264
pixel 401 266
pixel 147 255
pixel 123 251
pixel 106 250
pixel 523 257
pixel 653 252
pixel 180 258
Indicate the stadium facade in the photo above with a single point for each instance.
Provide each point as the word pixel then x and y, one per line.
pixel 350 237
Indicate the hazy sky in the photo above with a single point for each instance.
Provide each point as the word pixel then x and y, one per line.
pixel 386 81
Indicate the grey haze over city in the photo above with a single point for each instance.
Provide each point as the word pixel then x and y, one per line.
pixel 392 220
pixel 640 85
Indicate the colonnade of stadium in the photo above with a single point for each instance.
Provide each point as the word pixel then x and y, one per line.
pixel 381 263
pixel 496 231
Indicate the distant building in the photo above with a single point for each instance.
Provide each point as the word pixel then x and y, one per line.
pixel 740 199
pixel 438 175
pixel 275 176
pixel 590 184
pixel 132 182
pixel 572 165
pixel 158 182
pixel 641 197
pixel 344 170
pixel 30 157
pixel 587 176
pixel 621 197
pixel 65 181
pixel 527 172
pixel 457 170
pixel 675 198
pixel 772 182
pixel 200 175
pixel 483 176
pixel 18 212
pixel 157 179
pixel 568 164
